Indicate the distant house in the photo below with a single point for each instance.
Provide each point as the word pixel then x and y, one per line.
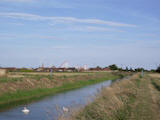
pixel 3 72
pixel 46 69
pixel 40 69
pixel 59 69
pixel 96 69
pixel 72 69
pixel 54 69
pixel 81 69
pixel 106 69
pixel 64 69
pixel 11 69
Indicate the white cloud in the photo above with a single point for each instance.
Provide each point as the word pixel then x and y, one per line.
pixel 33 17
pixel 4 36
pixel 92 29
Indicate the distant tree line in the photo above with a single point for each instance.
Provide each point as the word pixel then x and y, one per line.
pixel 115 67
pixel 127 69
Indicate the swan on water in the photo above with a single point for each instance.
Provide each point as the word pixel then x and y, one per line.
pixel 65 109
pixel 25 110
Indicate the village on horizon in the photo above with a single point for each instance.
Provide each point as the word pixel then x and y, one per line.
pixel 64 67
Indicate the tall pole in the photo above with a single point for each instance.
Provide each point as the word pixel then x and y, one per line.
pixel 142 73
pixel 51 73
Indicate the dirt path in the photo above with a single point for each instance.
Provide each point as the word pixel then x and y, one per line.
pixel 146 104
pixel 142 109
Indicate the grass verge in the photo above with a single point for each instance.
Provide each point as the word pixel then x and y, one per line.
pixel 10 99
pixel 137 98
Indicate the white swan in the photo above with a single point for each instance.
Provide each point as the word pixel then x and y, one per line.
pixel 25 110
pixel 65 109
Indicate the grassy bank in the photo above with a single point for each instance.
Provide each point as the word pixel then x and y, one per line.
pixel 13 98
pixel 136 98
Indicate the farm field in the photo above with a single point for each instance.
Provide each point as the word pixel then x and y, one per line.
pixel 24 74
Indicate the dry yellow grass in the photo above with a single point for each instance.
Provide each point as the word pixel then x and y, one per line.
pixel 155 75
pixel 27 81
pixel 106 102
pixel 14 74
pixel 132 99
pixel 3 72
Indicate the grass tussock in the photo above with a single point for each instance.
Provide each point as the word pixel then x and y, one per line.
pixel 136 98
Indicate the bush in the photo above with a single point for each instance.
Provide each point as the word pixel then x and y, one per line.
pixel 158 69
pixel 113 67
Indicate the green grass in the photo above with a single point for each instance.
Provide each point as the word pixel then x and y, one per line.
pixel 125 112
pixel 7 79
pixel 35 77
pixel 138 104
pixel 138 82
pixel 38 77
pixel 23 97
pixel 157 86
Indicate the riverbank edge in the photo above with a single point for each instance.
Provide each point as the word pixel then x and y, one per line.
pixel 122 100
pixel 10 100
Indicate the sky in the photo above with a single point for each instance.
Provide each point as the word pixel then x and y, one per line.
pixel 91 32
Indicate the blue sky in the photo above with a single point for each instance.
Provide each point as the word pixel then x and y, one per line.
pixel 92 32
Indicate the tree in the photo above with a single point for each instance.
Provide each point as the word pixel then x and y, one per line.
pixel 153 70
pixel 113 67
pixel 98 68
pixel 158 69
pixel 139 69
pixel 131 70
pixel 127 69
pixel 120 69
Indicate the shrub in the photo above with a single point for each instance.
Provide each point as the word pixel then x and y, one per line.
pixel 158 69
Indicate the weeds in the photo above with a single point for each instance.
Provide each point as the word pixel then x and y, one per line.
pixel 156 85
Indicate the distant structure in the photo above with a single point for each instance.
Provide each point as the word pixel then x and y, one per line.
pixel 82 68
pixel 65 64
pixel 85 67
pixel 40 69
pixel 42 65
pixel 96 69
pixel 3 72
pixel 142 73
